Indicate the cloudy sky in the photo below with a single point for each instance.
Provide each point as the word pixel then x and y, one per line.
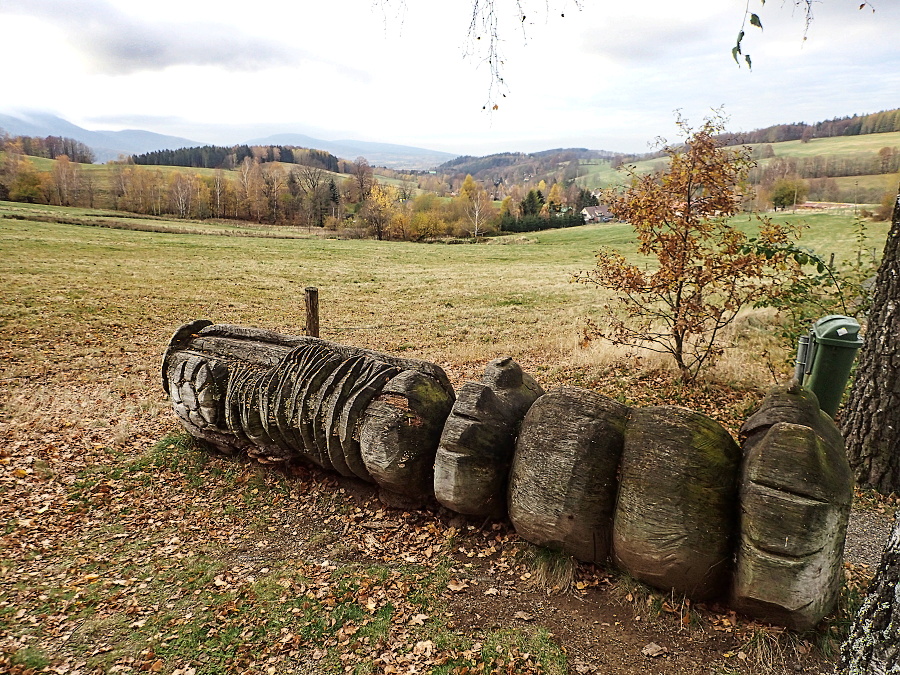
pixel 606 76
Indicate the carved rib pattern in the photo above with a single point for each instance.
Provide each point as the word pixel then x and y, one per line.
pixel 309 405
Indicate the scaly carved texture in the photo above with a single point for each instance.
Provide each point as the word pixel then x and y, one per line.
pixel 308 405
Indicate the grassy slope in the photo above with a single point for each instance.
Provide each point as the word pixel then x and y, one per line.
pixel 599 174
pixel 838 145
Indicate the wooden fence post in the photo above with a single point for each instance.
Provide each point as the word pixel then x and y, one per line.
pixel 312 311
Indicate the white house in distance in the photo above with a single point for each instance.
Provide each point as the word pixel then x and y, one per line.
pixel 597 214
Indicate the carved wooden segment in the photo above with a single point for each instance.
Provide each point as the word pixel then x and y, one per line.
pixel 796 490
pixel 331 410
pixel 196 387
pixel 789 404
pixel 233 402
pixel 314 375
pixel 281 397
pixel 288 403
pixel 677 508
pixel 258 346
pixel 280 448
pixel 474 455
pixel 311 400
pixel 321 406
pixel 263 447
pixel 400 432
pixel 516 388
pixel 346 426
pixel 476 448
pixel 179 341
pixel 562 488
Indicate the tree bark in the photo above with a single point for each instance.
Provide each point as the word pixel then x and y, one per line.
pixel 871 419
pixel 873 646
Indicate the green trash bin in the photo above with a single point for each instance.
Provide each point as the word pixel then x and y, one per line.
pixel 833 343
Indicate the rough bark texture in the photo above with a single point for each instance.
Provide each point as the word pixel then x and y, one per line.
pixel 476 448
pixel 280 397
pixel 873 646
pixel 677 509
pixel 871 418
pixel 562 488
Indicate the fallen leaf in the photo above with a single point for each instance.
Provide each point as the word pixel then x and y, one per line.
pixel 653 650
pixel 424 648
pixel 524 616
pixel 418 620
pixel 457 586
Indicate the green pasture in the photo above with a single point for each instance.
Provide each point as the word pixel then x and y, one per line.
pixel 460 303
pixel 885 182
pixel 595 174
pixel 837 145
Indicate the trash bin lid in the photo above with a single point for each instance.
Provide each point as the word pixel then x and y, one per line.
pixel 838 331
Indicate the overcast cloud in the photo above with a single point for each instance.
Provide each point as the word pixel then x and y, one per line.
pixel 118 44
pixel 607 77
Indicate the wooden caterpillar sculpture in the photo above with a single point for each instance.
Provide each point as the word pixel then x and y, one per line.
pixel 664 493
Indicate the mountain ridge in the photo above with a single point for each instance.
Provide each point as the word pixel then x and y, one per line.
pixel 109 145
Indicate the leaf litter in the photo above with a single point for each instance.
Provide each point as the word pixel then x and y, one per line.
pixel 126 549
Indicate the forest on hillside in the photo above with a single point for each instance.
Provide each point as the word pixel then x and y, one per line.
pixel 854 125
pixel 221 157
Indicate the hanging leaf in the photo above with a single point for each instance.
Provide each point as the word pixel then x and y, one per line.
pixel 737 48
pixel 754 21
pixel 749 63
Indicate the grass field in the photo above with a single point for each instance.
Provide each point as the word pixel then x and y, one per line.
pixel 127 550
pixel 599 174
pixel 838 145
pixel 886 182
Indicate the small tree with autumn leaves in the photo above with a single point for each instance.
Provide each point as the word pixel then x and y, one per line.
pixel 700 270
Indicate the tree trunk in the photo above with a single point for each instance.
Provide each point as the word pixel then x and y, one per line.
pixel 873 646
pixel 871 419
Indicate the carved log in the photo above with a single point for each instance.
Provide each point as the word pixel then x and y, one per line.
pixel 473 459
pixel 657 489
pixel 796 490
pixel 399 436
pixel 282 397
pixel 562 490
pixel 677 508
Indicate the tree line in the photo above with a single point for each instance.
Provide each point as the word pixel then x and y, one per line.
pixel 886 160
pixel 49 147
pixel 852 125
pixel 222 157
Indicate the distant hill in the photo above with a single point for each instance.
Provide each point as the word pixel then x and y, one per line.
pixel 106 145
pixel 882 122
pixel 562 164
pixel 109 145
pixel 378 154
